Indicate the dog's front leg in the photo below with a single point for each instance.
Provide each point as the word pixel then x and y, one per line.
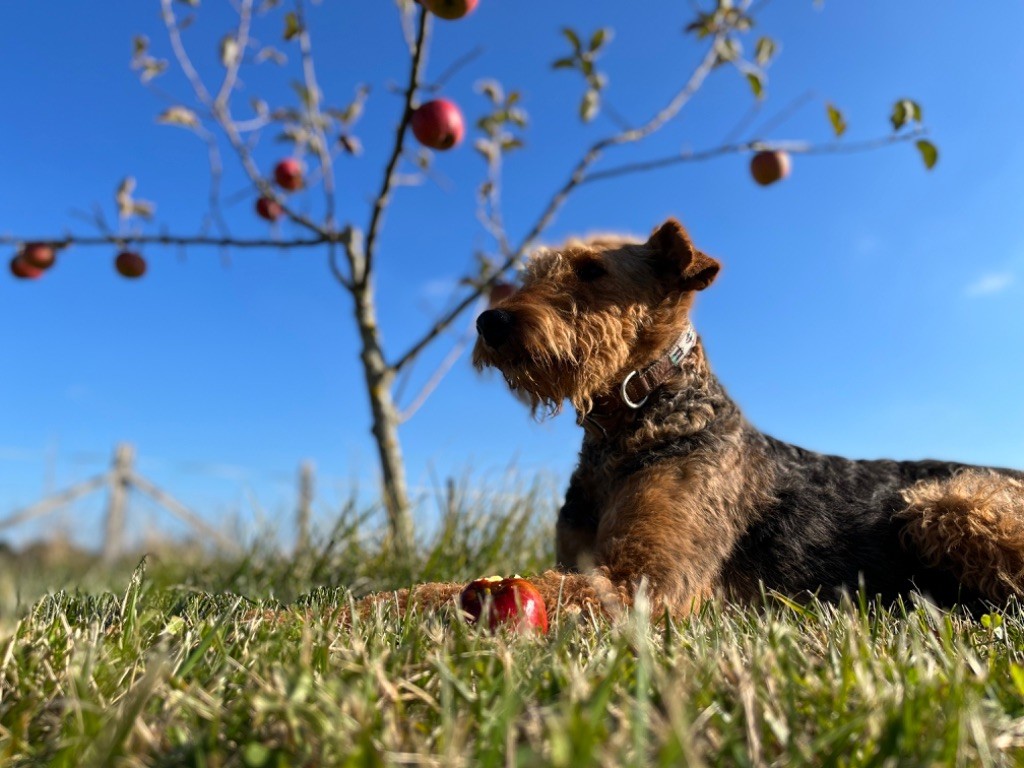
pixel 670 531
pixel 429 598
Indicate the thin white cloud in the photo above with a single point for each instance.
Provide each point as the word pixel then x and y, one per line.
pixel 993 282
pixel 439 289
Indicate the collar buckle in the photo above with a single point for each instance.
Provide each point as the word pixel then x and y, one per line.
pixel 625 394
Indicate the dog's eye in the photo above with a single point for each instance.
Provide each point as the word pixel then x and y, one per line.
pixel 589 271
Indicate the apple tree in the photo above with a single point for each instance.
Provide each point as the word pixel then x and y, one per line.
pixel 321 128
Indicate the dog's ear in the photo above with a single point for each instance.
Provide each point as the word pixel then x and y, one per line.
pixel 673 253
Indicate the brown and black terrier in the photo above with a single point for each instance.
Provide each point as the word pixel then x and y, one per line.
pixel 675 489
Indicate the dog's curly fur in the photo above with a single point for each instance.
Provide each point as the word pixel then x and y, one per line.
pixel 684 494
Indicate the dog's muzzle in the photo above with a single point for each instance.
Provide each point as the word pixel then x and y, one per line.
pixel 495 327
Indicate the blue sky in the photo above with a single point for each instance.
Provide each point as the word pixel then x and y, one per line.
pixel 866 307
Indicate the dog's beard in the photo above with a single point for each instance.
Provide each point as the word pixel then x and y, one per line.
pixel 543 378
pixel 537 394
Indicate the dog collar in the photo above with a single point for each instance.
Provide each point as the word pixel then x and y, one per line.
pixel 638 385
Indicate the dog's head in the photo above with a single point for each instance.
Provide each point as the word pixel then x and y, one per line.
pixel 590 312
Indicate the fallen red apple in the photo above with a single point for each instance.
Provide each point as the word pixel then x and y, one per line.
pixel 498 293
pixel 288 174
pixel 513 601
pixel 129 264
pixel 23 271
pixel 38 255
pixel 769 166
pixel 438 124
pixel 269 209
pixel 450 9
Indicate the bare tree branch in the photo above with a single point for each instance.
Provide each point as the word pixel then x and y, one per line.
pixel 242 41
pixel 384 196
pixel 332 260
pixel 783 115
pixel 438 376
pixel 796 147
pixel 165 239
pixel 323 150
pixel 453 69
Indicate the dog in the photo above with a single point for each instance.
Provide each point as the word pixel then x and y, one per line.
pixel 675 490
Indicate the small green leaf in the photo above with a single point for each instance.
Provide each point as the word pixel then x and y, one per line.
pixel 727 49
pixel 143 209
pixel 149 67
pixel 703 26
pixel 764 51
pixel 904 111
pixel 140 44
pixel 590 105
pixel 308 96
pixel 572 37
pixel 929 153
pixel 351 144
pixel 835 117
pixel 229 50
pixel 182 116
pixel 492 90
pixel 756 84
pixel 292 28
pixel 486 148
pixel 269 53
pixel 567 63
pixel 599 38
pixel 518 117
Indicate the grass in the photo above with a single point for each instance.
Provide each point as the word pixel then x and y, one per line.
pixel 183 664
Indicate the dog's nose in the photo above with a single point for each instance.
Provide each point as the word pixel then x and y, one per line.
pixel 494 327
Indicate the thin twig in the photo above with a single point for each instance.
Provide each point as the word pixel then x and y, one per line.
pixel 744 122
pixel 783 115
pixel 384 196
pixel 323 151
pixel 453 69
pixel 489 212
pixel 242 41
pixel 165 239
pixel 802 148
pixel 332 261
pixel 438 375
pixel 184 61
pixel 216 174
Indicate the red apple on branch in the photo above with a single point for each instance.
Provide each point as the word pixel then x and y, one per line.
pixel 438 124
pixel 450 9
pixel 514 602
pixel 288 174
pixel 769 166
pixel 269 209
pixel 129 264
pixel 24 271
pixel 38 255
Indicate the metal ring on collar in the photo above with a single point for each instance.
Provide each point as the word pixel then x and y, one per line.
pixel 625 395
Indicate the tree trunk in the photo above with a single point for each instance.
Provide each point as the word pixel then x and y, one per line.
pixel 379 380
